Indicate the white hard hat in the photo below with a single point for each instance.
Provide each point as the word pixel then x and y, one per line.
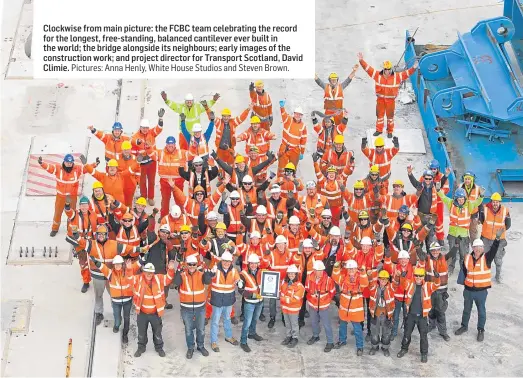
pixel 294 220
pixel 247 179
pixel 255 234
pixel 197 128
pixel 191 259
pixel 326 213
pixel 235 194
pixel 253 259
pixel 365 241
pixel 335 231
pixel 307 243
pixel 226 256
pixel 298 110
pixel 165 227
pixel 145 123
pixel 261 210
pixel 434 246
pixel 149 268
pixel 478 243
pixel 310 184
pixel 118 259
pixel 197 159
pixel 211 215
pixel 176 211
pixel 292 269
pixel 351 264
pixel 403 255
pixel 189 97
pixel 318 265
pixel 280 239
pixel 275 189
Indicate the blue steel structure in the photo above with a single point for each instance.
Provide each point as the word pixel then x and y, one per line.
pixel 471 102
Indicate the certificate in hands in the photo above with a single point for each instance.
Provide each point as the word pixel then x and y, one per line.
pixel 270 284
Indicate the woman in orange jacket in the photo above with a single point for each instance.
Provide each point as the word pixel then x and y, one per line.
pixel 112 180
pixel 291 299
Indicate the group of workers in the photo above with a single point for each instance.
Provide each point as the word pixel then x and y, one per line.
pixel 374 252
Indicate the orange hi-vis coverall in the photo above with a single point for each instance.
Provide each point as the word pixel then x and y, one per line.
pixel 262 108
pixel 113 185
pixel 147 164
pixel 85 227
pixel 226 136
pixel 440 233
pixel 261 139
pixel 193 208
pixel 326 135
pixel 293 142
pixel 129 181
pixel 113 146
pixel 343 162
pixel 67 184
pixel 382 160
pixel 387 89
pixel 333 98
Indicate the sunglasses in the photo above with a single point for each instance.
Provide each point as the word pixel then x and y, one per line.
pixel 419 276
pixel 326 218
pixel 358 190
pixel 428 178
pixel 396 186
pixel 192 265
pixel 235 199
pixel 127 220
pixel 184 233
pixel 247 183
pixel 197 165
pixel 199 194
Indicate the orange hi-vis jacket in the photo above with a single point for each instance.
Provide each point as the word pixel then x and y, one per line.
pixel 175 223
pixel 306 264
pixel 356 204
pixel 192 207
pixel 319 292
pixel 351 298
pixel 120 286
pixel 82 221
pixel 326 137
pixel 150 298
pixel 478 273
pixel 445 187
pixel 393 203
pixel 406 276
pixel 439 265
pixel 316 202
pixel 100 209
pixel 252 285
pixel 357 231
pixel 291 296
pixel 387 88
pixel 112 184
pixel 287 185
pixel 253 197
pixel 224 285
pixel 262 104
pixel 261 139
pixel 329 188
pixel 169 163
pixel 293 239
pixel 460 216
pixel 386 302
pixel 192 289
pixel 494 221
pixel 235 226
pixel 133 167
pixel 472 194
pixel 67 183
pixel 198 147
pixel 333 97
pixel 193 179
pixel 148 143
pixel 245 250
pixel 261 176
pixel 219 124
pixel 113 146
pixel 236 174
pixel 340 160
pixel 133 239
pixel 427 289
pixel 273 209
pixel 277 261
pixel 370 184
pixel 383 160
pixel 294 134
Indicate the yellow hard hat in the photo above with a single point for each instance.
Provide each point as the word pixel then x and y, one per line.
pixel 97 185
pixel 127 216
pixel 290 166
pixel 398 182
pixel 226 112
pixel 141 201
pixel 239 159
pixel 495 197
pixel 359 185
pixel 126 145
pixel 221 226
pixel 363 215
pixel 198 188
pixel 333 75
pixel 338 139
pixel 387 64
pixel 406 226
pixel 374 169
pixel 185 228
pixel 102 229
pixel 258 83
pixel 255 119
pixel 112 163
pixel 419 272
pixel 332 168
pixel 383 274
pixel 379 142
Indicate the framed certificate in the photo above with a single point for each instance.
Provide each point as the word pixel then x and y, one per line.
pixel 270 284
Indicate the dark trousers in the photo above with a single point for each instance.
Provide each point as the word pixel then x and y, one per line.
pixel 194 319
pixel 437 313
pixel 366 301
pixel 301 315
pixel 118 307
pixel 480 299
pixel 143 321
pixel 423 329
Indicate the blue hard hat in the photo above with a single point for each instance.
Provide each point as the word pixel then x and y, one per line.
pixel 117 126
pixel 404 209
pixel 84 199
pixel 460 193
pixel 428 172
pixel 468 173
pixel 170 140
pixel 434 164
pixel 68 158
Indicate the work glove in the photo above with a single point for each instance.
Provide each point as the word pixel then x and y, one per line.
pixel 212 116
pixel 270 155
pixel 204 242
pixel 342 187
pixel 422 256
pixel 500 232
pixel 279 216
pixel 315 157
pixel 337 264
pixel 267 252
pixel 161 112
pixel 268 230
pixel 67 200
pixel 403 274
pixel 320 152
pixel 195 230
pixel 301 156
pixel 214 269
pixel 432 220
pixel 308 226
pixel 97 161
pixel 143 250
pixel 436 274
pixel 97 263
pixel 40 160
pixel 282 103
pixel 224 196
pixel 83 159
pixel 364 142
pixel 216 97
pixel 385 220
pixel 438 186
pixel 204 103
pixel 179 258
pixel 182 116
pixel 345 215
pixel 416 242
pixel 247 199
pixel 351 160
pixel 214 155
pixel 296 183
pixel 138 142
pixel 251 86
pixel 241 284
pixel 396 142
pixel 481 191
pixel 164 96
pixel 155 211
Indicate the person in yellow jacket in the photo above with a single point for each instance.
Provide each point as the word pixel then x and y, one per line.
pixel 192 111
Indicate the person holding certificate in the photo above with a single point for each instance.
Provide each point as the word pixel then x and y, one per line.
pixel 291 298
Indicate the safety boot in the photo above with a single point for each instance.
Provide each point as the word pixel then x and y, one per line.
pixel 293 343
pixel 125 339
pixel 203 351
pixel 262 317
pixel 85 286
pixel 313 339
pixel 424 358
pixel 481 335
pixel 189 353
pixel 245 348
pixel 234 320
pixel 116 329
pixel 271 322
pixel 446 337
pixel 386 352
pixel 169 306
pixel 255 337
pixel 389 135
pixel 460 330
pixel 160 352
pixel 139 352
pixel 286 341
pixel 359 352
pixel 339 344
pixel 376 133
pixel 402 352
pixel 373 350
pixel 328 347
pixel 99 318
